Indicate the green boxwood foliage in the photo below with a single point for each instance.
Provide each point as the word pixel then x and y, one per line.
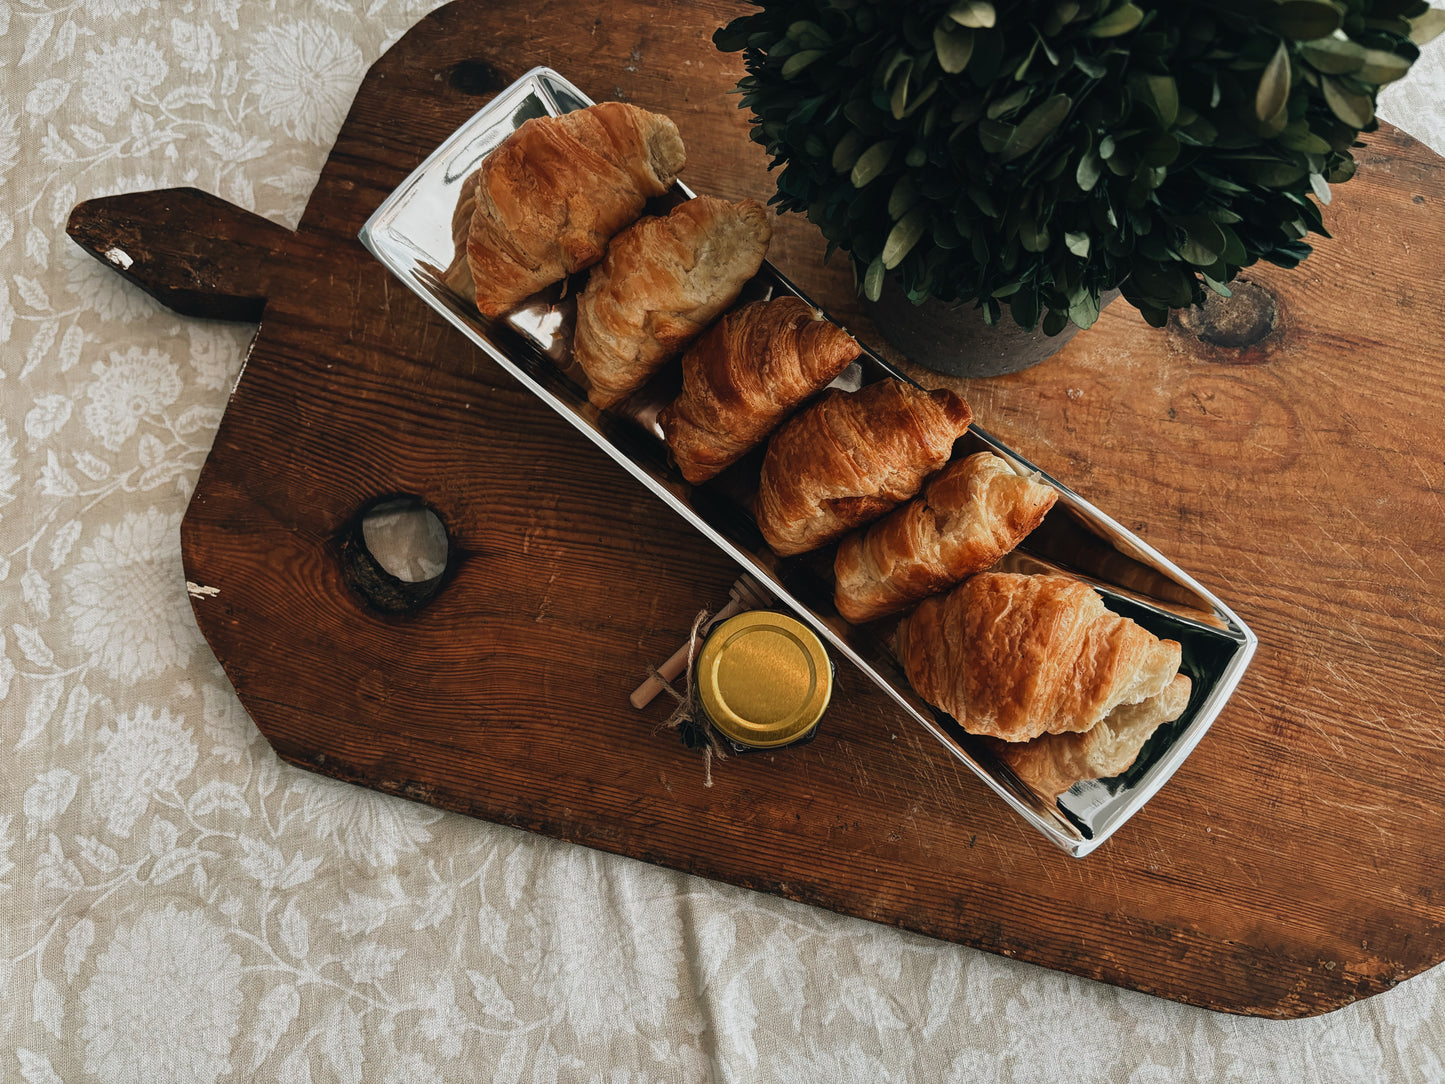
pixel 1037 153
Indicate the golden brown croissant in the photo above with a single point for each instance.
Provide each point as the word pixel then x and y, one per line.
pixel 849 458
pixel 969 515
pixel 1052 763
pixel 661 283
pixel 745 376
pixel 546 201
pixel 1016 656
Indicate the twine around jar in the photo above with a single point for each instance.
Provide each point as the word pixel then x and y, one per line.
pixel 687 717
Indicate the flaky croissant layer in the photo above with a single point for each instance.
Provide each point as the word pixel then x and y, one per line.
pixel 745 376
pixel 664 279
pixel 548 199
pixel 849 458
pixel 1016 656
pixel 968 516
pixel 1052 764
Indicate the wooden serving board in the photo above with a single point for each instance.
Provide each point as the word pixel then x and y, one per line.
pixel 1288 455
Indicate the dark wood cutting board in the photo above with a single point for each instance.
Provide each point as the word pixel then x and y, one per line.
pixel 1291 460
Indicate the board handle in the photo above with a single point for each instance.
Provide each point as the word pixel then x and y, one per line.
pixel 190 250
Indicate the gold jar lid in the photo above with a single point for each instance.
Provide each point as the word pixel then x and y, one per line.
pixel 764 679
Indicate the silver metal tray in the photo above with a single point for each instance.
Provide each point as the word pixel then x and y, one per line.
pixel 410 233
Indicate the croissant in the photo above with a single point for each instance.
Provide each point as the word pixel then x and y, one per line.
pixel 747 374
pixel 849 458
pixel 661 283
pixel 968 516
pixel 1052 763
pixel 1016 656
pixel 546 201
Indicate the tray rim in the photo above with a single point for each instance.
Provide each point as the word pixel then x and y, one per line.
pixel 550 85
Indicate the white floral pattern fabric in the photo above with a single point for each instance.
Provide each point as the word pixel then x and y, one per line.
pixel 178 905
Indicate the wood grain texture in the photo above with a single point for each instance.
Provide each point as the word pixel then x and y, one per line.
pixel 1290 867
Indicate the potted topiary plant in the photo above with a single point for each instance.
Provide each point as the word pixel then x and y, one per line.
pixel 1038 155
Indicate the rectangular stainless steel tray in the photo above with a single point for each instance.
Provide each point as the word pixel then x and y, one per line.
pixel 410 233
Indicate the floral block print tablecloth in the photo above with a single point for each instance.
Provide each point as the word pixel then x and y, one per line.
pixel 177 905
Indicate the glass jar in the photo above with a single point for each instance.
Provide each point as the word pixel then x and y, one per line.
pixel 763 680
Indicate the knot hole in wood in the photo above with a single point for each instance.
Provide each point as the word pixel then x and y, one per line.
pixel 395 553
pixel 1239 322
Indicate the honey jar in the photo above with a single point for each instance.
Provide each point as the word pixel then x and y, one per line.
pixel 763 680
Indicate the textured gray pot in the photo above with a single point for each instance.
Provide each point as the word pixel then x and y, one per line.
pixel 953 339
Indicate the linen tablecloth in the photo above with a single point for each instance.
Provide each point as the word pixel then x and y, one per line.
pixel 178 905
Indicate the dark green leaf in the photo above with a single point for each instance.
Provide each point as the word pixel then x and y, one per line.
pixel 1423 28
pixel 1084 307
pixel 1381 67
pixel 1078 243
pixel 873 280
pixel 1028 59
pixel 1036 126
pixel 1061 16
pixel 809 34
pixel 1033 237
pixel 1008 103
pixel 1273 172
pixel 1298 137
pixel 983 200
pixel 898 101
pixel 902 198
pixel 1049 52
pixel 1087 175
pixel 1154 316
pixel 1162 94
pixel 899 58
pixel 731 38
pixel 1025 308
pixel 872 162
pixel 798 61
pixel 1204 241
pixel 1273 92
pixel 1234 252
pixel 1168 285
pixel 1217 286
pixel 917 101
pixel 1121 20
pixel 994 135
pixel 864 115
pixel 1354 109
pixel 1341 172
pixel 953 45
pixel 1222 184
pixel 1304 20
pixel 904 236
pixel 1333 56
pixel 1398 27
pixel 946 235
pixel 846 153
pixel 972 13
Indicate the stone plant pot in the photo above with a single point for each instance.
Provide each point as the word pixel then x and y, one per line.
pixel 953 339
